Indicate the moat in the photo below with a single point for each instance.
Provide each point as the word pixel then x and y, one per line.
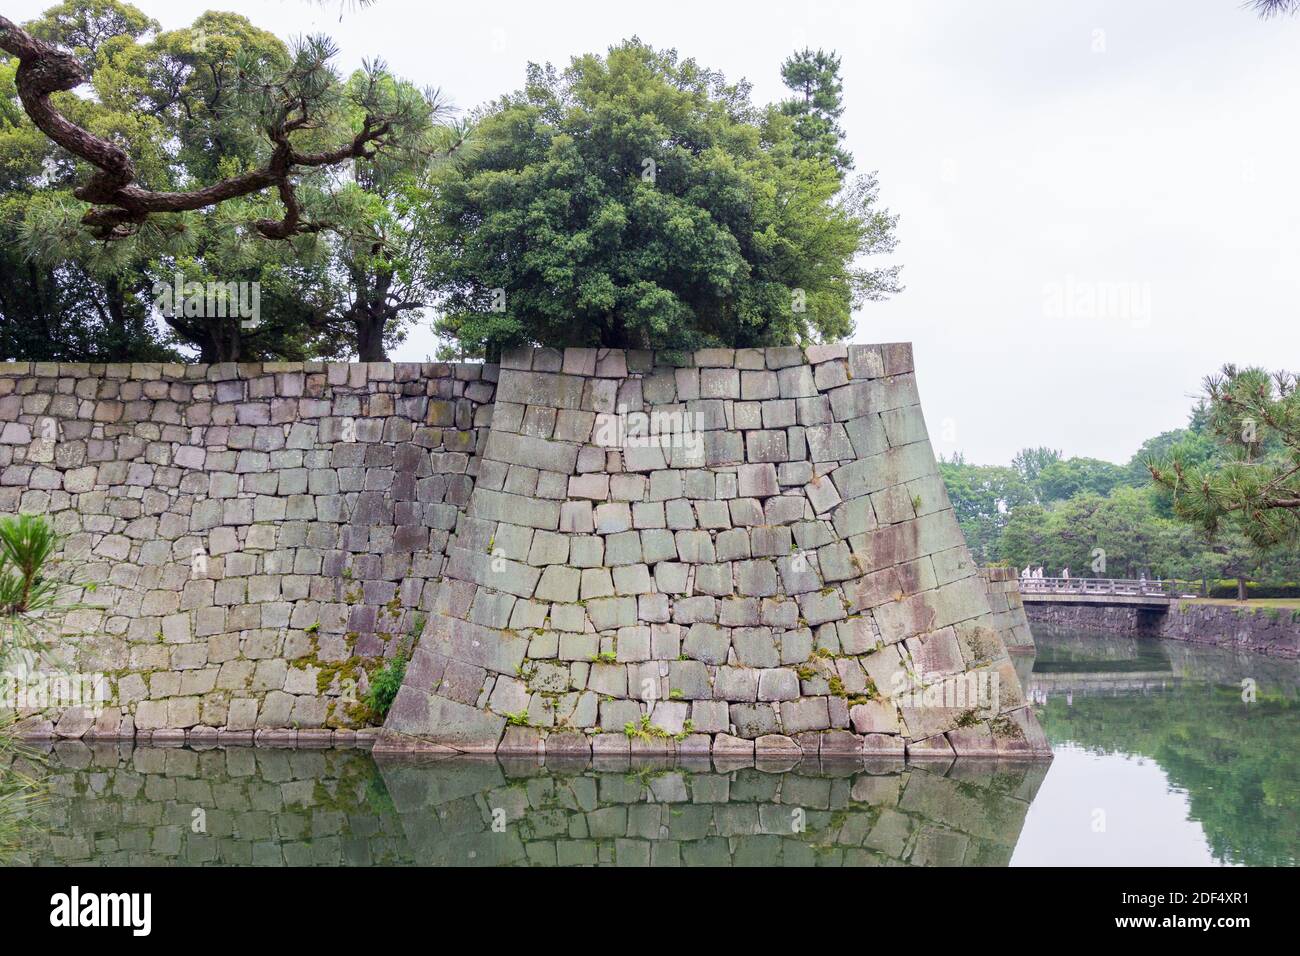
pixel 1166 754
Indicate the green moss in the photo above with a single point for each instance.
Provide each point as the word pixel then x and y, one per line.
pixel 1006 728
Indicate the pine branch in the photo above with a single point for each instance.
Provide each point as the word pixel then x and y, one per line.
pixel 120 205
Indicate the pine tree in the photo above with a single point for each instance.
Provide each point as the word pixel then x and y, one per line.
pixel 1253 487
pixel 817 105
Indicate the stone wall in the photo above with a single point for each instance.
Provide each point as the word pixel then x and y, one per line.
pixel 249 541
pixel 1121 619
pixel 784 576
pixel 1002 585
pixel 1263 630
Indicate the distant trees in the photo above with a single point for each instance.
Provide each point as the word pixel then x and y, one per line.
pixel 1118 535
pixel 1073 476
pixel 983 497
pixel 1217 499
pixel 1030 462
pixel 637 199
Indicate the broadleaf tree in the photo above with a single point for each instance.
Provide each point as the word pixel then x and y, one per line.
pixel 638 200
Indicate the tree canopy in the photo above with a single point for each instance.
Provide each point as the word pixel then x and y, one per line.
pixel 190 107
pixel 638 199
pixel 816 107
pixel 304 118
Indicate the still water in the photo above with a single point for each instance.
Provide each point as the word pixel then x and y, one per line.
pixel 1161 758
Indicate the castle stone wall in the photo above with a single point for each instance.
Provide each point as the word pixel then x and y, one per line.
pixel 777 569
pixel 247 542
pixel 1002 585
pixel 731 551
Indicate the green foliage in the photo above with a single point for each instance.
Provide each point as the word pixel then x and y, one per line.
pixel 638 200
pixel 1228 589
pixel 1251 487
pixel 816 107
pixel 191 108
pixel 28 590
pixel 1124 525
pixel 29 609
pixel 1063 512
pixel 63 300
pixel 1192 445
pixel 1066 478
pixel 1030 462
pixel 983 497
pixel 385 683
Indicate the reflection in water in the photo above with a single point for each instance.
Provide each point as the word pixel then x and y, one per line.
pixel 1155 735
pixel 122 806
pixel 1110 703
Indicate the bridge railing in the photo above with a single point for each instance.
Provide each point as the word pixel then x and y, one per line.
pixel 1128 587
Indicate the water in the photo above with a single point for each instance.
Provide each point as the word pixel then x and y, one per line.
pixel 1158 761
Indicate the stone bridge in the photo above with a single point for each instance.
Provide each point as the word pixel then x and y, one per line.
pixel 1118 592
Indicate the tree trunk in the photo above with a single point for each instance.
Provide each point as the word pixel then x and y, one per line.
pixel 370 335
pixel 1241 589
pixel 370 311
pixel 120 338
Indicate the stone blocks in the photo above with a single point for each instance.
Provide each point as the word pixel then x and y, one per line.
pixel 770 564
pixel 785 567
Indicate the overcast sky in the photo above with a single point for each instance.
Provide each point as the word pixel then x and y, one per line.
pixel 1099 200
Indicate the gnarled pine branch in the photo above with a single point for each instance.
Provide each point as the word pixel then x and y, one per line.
pixel 119 204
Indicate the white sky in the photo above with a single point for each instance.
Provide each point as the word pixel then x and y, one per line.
pixel 1099 202
pixel 1109 810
